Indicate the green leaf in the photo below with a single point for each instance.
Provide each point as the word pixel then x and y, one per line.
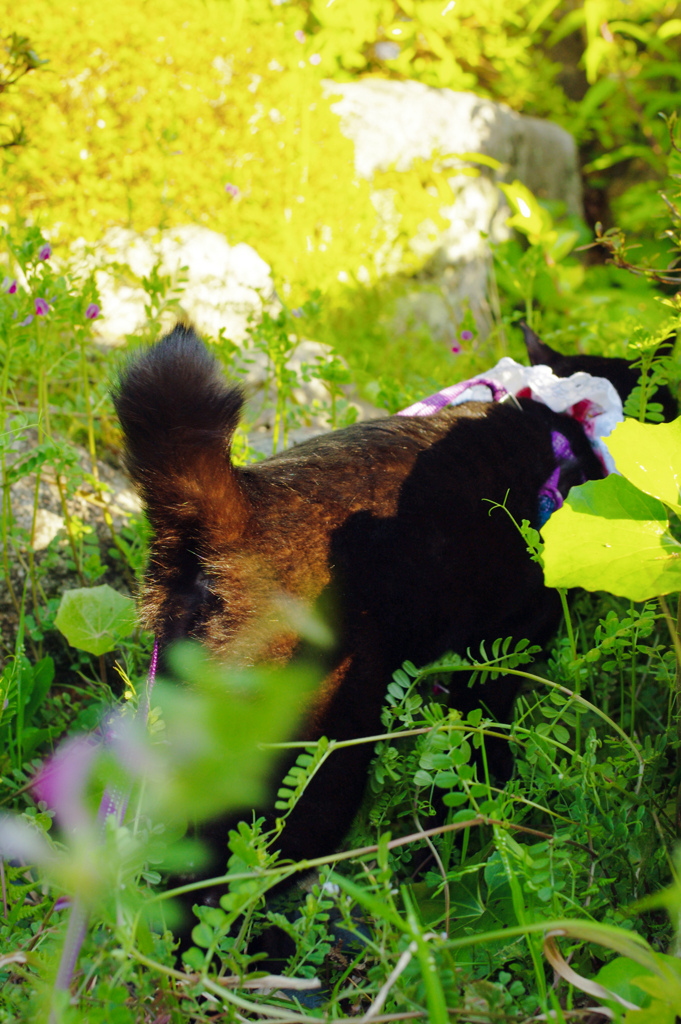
pixel 213 756
pixel 481 158
pixel 656 1013
pixel 528 216
pixel 455 799
pixel 649 455
pixel 564 244
pixel 624 545
pixel 617 977
pixel 202 935
pixel 43 675
pixel 94 619
pixel 194 957
pixel 670 28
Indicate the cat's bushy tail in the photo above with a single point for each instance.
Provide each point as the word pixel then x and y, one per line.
pixel 178 415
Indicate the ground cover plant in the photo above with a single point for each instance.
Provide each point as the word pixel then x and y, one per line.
pixel 558 892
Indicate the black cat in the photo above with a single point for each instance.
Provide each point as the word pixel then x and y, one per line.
pixel 389 518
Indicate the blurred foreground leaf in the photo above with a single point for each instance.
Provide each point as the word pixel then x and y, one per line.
pixel 214 727
pixel 614 534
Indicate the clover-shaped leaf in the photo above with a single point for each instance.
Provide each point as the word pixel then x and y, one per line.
pixel 94 619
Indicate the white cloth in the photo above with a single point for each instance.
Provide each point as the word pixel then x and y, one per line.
pixel 593 401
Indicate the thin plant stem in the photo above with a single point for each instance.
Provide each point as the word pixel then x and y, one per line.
pixel 554 686
pixel 92 449
pixel 36 495
pixel 262 1009
pixel 435 996
pixel 68 523
pixel 495 302
pixel 4 887
pixel 517 899
pixel 562 593
pixel 568 622
pixel 440 865
pixel 675 634
pixel 6 517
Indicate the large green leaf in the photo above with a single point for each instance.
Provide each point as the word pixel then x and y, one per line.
pixel 611 536
pixel 94 619
pixel 649 454
pixel 618 975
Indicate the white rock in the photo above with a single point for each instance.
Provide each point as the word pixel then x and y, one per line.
pixel 47 526
pixel 220 285
pixel 392 124
pixel 122 309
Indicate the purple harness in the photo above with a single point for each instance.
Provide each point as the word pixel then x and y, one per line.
pixel 550 498
pixel 448 396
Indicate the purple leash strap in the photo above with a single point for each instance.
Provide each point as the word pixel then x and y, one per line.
pixel 115 802
pixel 427 406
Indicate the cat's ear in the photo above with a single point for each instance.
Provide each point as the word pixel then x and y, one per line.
pixel 539 353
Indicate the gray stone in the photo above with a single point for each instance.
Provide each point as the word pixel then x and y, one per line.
pixel 216 287
pixel 392 124
pixel 37 525
pixel 310 400
pixel 84 502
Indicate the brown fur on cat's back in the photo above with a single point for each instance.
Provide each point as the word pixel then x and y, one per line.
pixel 230 542
pixel 387 519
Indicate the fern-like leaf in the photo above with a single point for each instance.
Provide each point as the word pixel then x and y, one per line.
pixel 298 777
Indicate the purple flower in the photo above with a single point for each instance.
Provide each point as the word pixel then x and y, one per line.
pixel 298 311
pixel 232 190
pixel 41 307
pixel 61 781
pixel 45 252
pixel 93 311
pixel 464 336
pixel 299 35
pixel 12 288
pixel 9 285
pixel 27 321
